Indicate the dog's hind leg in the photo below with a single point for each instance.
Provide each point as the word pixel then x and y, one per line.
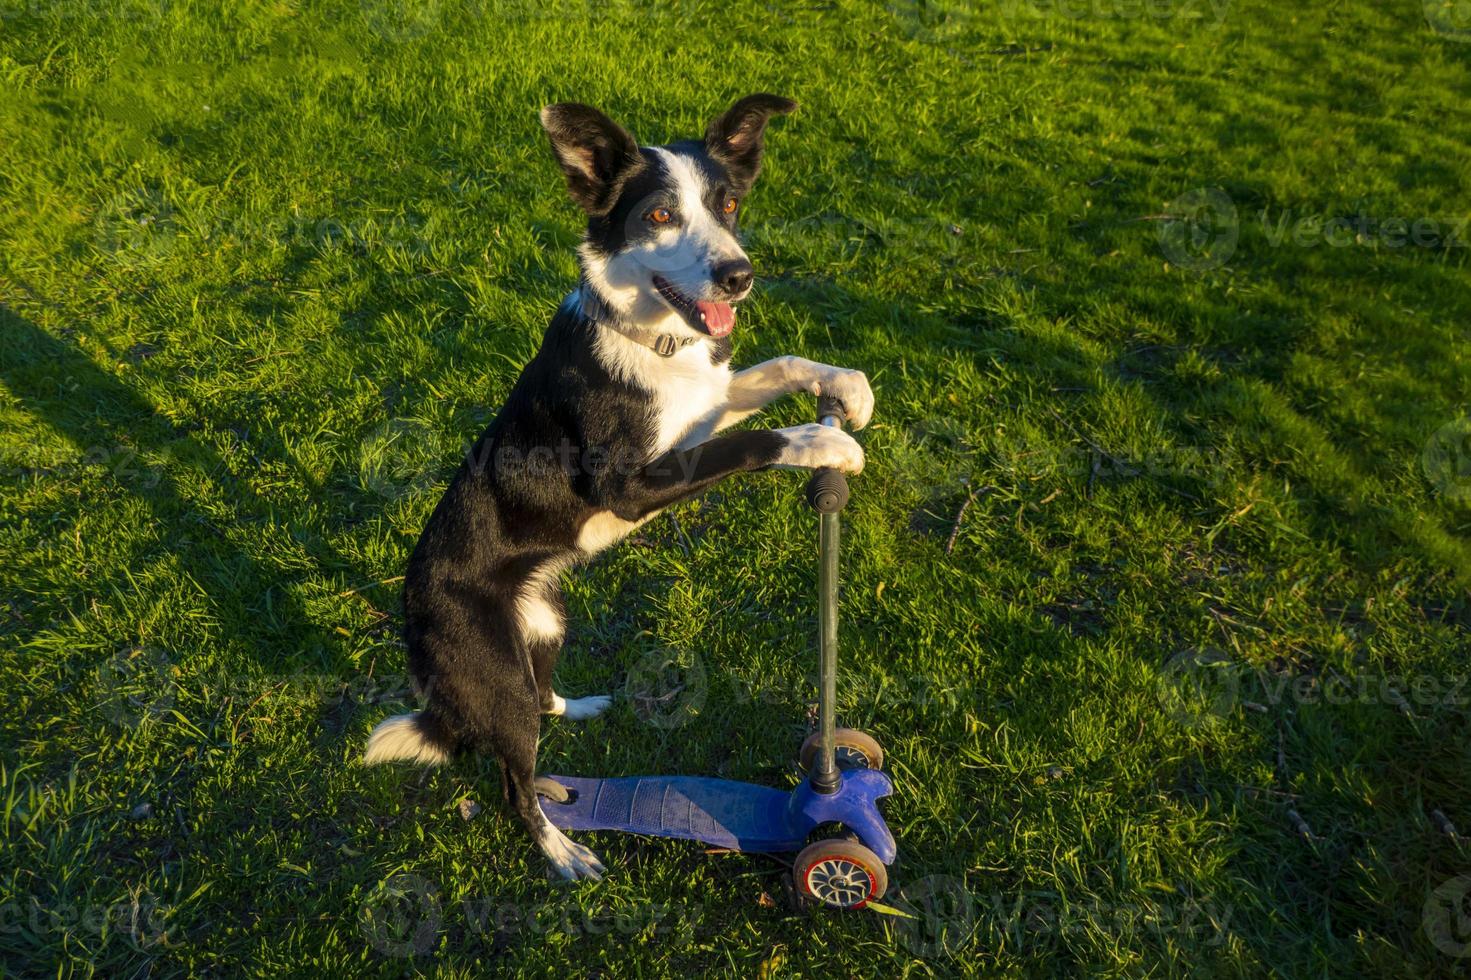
pixel 569 859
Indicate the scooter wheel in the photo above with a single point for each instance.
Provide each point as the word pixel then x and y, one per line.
pixel 840 874
pixel 852 748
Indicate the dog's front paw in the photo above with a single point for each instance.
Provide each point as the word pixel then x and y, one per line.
pixel 849 387
pixel 813 447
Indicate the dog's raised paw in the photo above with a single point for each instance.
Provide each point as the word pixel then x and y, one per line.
pixel 579 709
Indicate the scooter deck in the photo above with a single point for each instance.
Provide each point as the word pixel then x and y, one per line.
pixel 721 812
pixel 726 813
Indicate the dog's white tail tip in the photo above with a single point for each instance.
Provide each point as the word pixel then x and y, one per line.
pixel 402 739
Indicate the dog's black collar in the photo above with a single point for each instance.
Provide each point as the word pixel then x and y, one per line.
pixel 594 311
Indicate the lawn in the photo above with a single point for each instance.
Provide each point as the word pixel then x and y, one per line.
pixel 1155 585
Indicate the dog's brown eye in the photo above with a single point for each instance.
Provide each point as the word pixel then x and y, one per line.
pixel 731 204
pixel 661 216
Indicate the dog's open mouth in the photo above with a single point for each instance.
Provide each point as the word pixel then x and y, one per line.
pixel 716 319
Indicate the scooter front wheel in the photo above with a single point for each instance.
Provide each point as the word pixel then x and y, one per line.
pixel 852 749
pixel 840 874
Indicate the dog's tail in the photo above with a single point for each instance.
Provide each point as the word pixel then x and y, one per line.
pixel 414 737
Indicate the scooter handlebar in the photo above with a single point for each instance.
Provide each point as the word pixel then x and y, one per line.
pixel 827 490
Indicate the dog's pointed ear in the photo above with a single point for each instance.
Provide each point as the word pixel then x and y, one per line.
pixel 595 153
pixel 737 138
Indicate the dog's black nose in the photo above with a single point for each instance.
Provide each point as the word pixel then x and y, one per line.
pixel 734 276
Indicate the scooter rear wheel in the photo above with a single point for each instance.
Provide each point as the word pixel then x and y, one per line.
pixel 853 749
pixel 840 874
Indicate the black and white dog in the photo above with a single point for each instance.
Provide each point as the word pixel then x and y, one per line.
pixel 612 421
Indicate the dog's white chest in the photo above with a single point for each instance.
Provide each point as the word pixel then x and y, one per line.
pixel 687 393
pixel 688 399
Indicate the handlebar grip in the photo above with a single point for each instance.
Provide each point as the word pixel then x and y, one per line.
pixel 827 490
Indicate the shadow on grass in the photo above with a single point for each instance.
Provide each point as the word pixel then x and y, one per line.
pixel 61 385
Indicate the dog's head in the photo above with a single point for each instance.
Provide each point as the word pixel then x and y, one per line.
pixel 661 246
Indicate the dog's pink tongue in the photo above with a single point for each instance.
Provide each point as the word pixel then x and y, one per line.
pixel 719 317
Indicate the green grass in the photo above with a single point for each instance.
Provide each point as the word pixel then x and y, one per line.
pixel 1185 695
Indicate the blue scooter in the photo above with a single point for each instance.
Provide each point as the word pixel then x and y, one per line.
pixel 843 783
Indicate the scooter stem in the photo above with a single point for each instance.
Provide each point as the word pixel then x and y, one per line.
pixel 827 492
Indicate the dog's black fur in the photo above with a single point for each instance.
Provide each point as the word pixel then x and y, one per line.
pixel 572 445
